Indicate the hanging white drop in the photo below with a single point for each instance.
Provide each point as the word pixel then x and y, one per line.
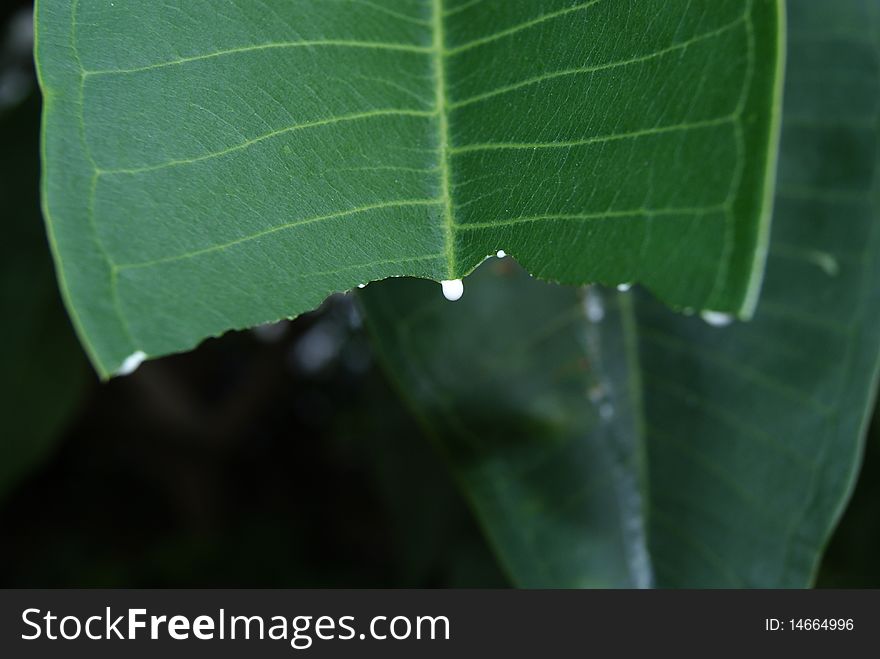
pixel 453 289
pixel 716 318
pixel 131 363
pixel 500 253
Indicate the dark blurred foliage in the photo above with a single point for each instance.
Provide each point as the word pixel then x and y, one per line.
pixel 248 462
pixel 276 457
pixel 853 556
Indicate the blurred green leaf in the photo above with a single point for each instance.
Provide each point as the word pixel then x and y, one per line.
pixel 512 382
pixel 752 433
pixel 44 370
pixel 217 165
pixel 755 431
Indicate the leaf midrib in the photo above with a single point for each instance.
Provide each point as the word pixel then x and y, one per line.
pixel 441 107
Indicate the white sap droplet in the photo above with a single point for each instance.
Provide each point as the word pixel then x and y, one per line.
pixel 453 289
pixel 716 318
pixel 501 254
pixel 623 288
pixel 131 363
pixel 362 285
pixel 593 306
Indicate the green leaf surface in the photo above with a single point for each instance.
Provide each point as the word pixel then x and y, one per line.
pixel 750 433
pixel 217 164
pixel 44 370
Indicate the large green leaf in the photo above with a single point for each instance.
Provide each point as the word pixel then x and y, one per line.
pixel 751 432
pixel 219 163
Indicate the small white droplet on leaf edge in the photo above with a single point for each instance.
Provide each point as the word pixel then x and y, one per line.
pixel 716 318
pixel 453 289
pixel 132 362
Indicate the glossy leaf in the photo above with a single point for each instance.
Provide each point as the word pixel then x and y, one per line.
pixel 216 164
pixel 751 432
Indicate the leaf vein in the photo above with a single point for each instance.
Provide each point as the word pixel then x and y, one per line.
pixel 599 67
pixel 275 45
pixel 520 27
pixel 635 212
pixel 401 203
pixel 600 139
pixel 267 136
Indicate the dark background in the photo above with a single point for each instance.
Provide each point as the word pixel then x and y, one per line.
pixel 275 457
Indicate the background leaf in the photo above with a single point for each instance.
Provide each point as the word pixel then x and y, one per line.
pixel 753 431
pixel 766 419
pixel 511 381
pixel 217 165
